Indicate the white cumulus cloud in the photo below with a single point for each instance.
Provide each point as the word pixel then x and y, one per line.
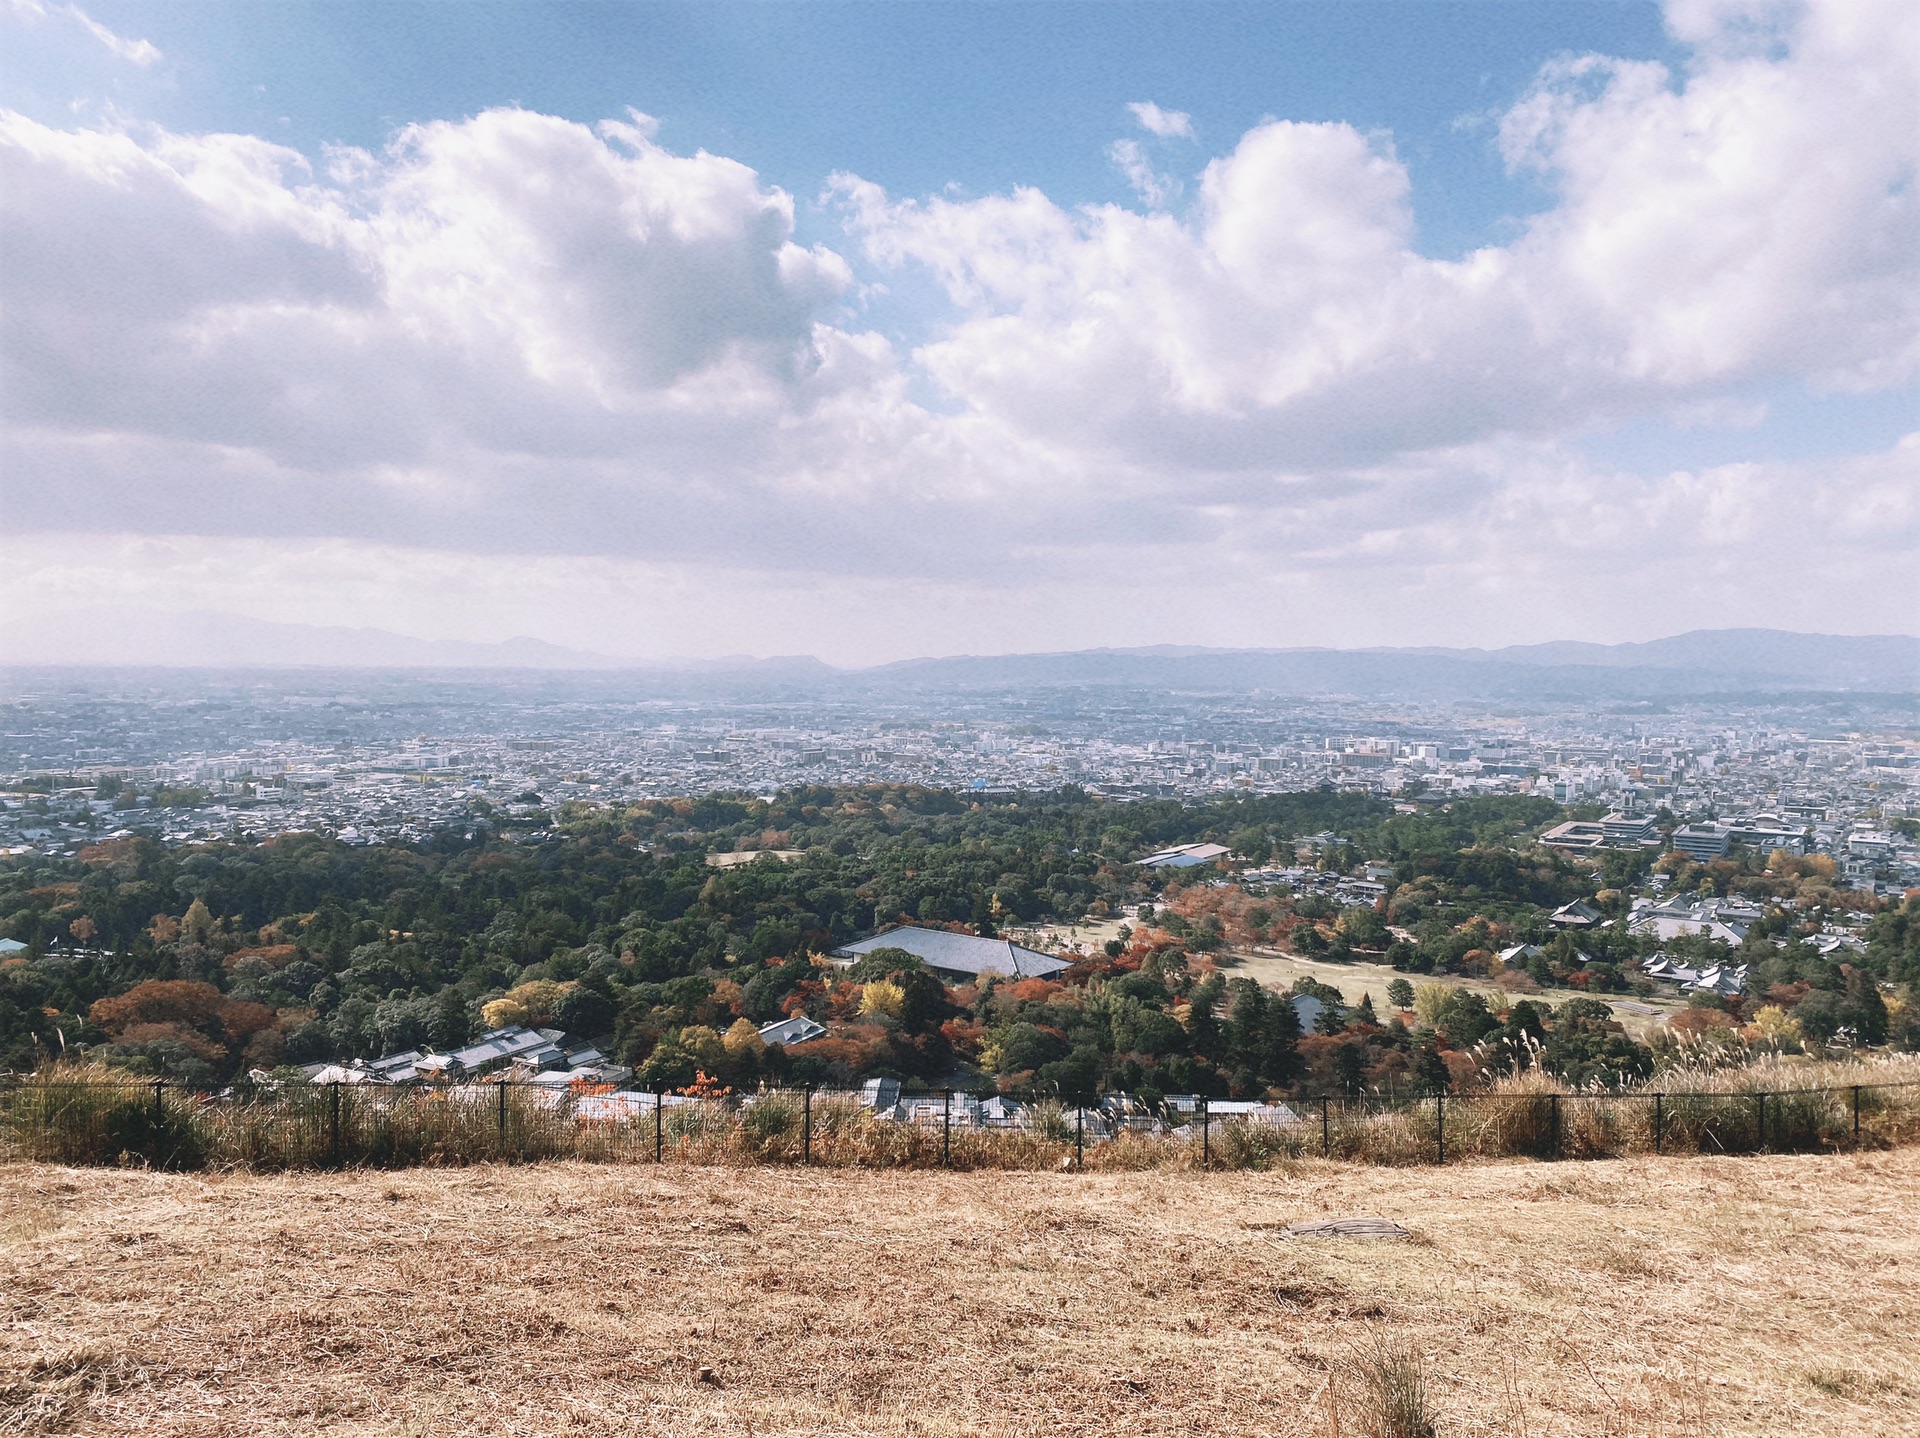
pixel 534 347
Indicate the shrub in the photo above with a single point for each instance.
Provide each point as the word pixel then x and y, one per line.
pixel 89 1114
pixel 769 1121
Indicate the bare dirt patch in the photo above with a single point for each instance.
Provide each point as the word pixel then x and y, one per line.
pixel 1698 1296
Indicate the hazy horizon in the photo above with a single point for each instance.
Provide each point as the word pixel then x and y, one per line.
pixel 214 642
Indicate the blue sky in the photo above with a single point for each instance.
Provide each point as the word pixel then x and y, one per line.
pixel 917 97
pixel 1376 288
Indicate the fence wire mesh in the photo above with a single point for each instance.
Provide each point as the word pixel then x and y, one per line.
pixel 268 1126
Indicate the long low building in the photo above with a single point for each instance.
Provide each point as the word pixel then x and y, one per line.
pixel 527 1054
pixel 1185 856
pixel 962 957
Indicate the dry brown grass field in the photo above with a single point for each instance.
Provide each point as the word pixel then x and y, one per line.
pixel 1694 1296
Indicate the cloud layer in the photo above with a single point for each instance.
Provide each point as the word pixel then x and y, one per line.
pixel 532 347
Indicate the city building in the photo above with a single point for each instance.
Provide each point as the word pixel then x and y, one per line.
pixel 1703 841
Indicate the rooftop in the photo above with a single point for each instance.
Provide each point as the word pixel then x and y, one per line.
pixel 962 954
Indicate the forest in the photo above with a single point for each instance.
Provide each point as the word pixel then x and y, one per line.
pixel 201 962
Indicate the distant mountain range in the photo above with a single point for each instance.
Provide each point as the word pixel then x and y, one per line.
pixel 1852 661
pixel 1701 662
pixel 1705 661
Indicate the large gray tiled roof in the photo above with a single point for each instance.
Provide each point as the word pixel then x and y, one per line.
pixel 962 953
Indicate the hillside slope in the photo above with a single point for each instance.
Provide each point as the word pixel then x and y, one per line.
pixel 1689 1297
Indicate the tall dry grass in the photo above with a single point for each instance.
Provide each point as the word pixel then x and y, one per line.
pixel 1382 1390
pixel 84 1114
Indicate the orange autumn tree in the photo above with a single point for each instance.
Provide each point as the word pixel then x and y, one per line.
pixel 207 1022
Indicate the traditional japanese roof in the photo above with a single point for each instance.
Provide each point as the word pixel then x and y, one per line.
pixel 962 954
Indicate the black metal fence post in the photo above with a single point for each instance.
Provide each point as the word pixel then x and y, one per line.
pixel 333 1121
pixel 503 1118
pixel 1760 1122
pixel 946 1128
pixel 659 1129
pixel 1659 1119
pixel 1856 1115
pixel 1440 1125
pixel 159 1102
pixel 806 1126
pixel 1079 1136
pixel 1326 1127
pixel 1554 1110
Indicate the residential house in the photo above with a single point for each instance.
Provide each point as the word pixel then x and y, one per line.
pixel 797 1030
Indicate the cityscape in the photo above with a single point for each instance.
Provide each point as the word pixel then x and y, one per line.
pixel 369 758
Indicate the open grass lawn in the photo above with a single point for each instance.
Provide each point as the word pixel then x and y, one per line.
pixel 1281 971
pixel 1769 1295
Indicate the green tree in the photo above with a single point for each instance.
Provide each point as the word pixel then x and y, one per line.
pixel 883 963
pixel 1430 1071
pixel 1821 1014
pixel 669 1066
pixel 1863 1010
pixel 1203 1025
pixel 1586 1045
pixel 1350 1068
pixel 1464 1018
pixel 452 1021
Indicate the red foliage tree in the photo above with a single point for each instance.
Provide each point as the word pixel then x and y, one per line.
pixel 197 1014
pixel 160 1001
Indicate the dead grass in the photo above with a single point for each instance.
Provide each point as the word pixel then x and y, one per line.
pixel 1696 1297
pixel 1805 1106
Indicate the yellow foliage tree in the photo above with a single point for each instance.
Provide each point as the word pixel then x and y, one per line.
pixel 707 1047
pixel 1896 1012
pixel 198 923
pixel 1776 1026
pixel 503 1013
pixel 532 1003
pixel 882 999
pixel 743 1040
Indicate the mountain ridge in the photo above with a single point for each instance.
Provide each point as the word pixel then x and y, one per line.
pixel 1703 660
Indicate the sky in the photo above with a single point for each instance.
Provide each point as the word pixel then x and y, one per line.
pixel 890 329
